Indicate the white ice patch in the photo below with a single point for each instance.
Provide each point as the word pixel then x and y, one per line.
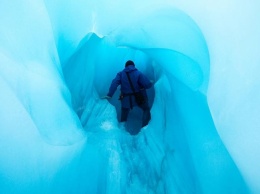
pixel 107 125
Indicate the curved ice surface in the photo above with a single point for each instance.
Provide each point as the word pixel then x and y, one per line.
pixel 173 40
pixel 57 59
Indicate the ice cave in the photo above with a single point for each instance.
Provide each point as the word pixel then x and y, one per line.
pixel 57 58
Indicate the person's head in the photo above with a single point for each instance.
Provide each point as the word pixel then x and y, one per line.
pixel 129 63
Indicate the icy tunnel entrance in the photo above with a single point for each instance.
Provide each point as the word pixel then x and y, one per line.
pixel 95 63
pixel 181 135
pixel 183 55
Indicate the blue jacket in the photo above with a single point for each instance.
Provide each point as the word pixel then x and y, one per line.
pixel 139 80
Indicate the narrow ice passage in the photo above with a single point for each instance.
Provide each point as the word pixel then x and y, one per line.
pixel 57 136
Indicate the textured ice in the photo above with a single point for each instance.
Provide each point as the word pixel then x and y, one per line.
pixel 57 58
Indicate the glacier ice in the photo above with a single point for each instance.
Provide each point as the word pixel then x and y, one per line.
pixel 57 59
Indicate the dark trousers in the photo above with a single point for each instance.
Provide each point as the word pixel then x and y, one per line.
pixel 146 114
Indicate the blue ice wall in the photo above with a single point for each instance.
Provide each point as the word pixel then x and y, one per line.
pixel 181 63
pixel 58 58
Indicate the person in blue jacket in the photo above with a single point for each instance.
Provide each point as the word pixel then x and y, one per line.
pixel 128 99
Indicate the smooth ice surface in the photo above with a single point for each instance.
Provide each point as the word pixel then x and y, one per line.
pixel 57 58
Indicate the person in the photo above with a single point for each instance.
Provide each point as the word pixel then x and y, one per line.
pixel 128 98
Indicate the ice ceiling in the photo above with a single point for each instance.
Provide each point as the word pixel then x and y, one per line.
pixel 57 58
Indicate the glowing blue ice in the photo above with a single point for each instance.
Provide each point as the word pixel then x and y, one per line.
pixel 57 59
